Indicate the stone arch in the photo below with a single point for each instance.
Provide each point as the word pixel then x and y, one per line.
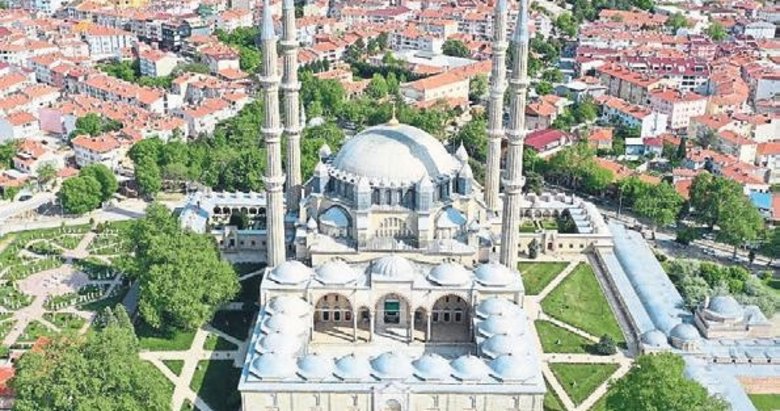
pixel 392 405
pixel 391 314
pixel 336 222
pixel 420 323
pixel 333 315
pixel 450 318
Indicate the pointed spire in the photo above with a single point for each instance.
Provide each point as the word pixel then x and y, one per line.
pixel 521 26
pixel 303 116
pixel 465 171
pixel 461 153
pixel 267 23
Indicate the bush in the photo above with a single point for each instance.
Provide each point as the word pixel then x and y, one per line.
pixel 605 346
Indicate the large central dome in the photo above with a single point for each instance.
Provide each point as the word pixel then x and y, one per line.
pixel 395 153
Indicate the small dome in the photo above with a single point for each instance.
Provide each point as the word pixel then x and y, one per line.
pixel 290 272
pixel 469 368
pixel 500 344
pixel 685 332
pixel 352 367
pixel 278 343
pixel 289 305
pixel 726 306
pixel 501 325
pixel 654 338
pixel 283 323
pixel 449 274
pixel 495 306
pixel 392 365
pixel 494 275
pixel 510 367
pixel 273 366
pixel 393 267
pixel 311 225
pixel 325 150
pixel 315 367
pixel 431 367
pixel 335 272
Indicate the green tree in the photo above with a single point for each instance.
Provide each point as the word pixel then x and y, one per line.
pixel 740 224
pixel 79 195
pixel 313 139
pixel 712 197
pixel 7 153
pixel 771 248
pixel 605 346
pixel 149 177
pixel 90 124
pixel 455 48
pixel 716 31
pixel 478 87
pixel 660 204
pixel 552 75
pixel 165 257
pixel 543 88
pixel 474 138
pixel 597 179
pixel 104 176
pixel 393 85
pixel 584 111
pixel 676 21
pixel 47 173
pixel 377 87
pixel 100 371
pixel 566 24
pixel 655 383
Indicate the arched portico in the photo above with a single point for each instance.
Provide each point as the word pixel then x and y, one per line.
pixel 449 320
pixel 334 317
pixel 392 317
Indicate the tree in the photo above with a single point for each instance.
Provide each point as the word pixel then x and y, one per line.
pixel 149 177
pixel 584 110
pixel 676 21
pixel 655 383
pixel 393 85
pixel 605 346
pixel 740 224
pixel 543 88
pixel 100 371
pixel 313 139
pixel 104 176
pixel 7 153
pixel 566 24
pixel 552 75
pixel 79 195
pixel 712 197
pixel 455 48
pixel 716 31
pixel 771 248
pixel 165 257
pixel 90 124
pixel 478 87
pixel 377 87
pixel 660 204
pixel 597 179
pixel 46 173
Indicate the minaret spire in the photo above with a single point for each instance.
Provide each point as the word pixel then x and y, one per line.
pixel 272 131
pixel 496 106
pixel 518 86
pixel 290 89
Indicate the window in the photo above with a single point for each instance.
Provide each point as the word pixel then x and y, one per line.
pixel 347 315
pixel 337 316
pixel 458 316
pixel 326 316
pixel 446 316
pixel 435 317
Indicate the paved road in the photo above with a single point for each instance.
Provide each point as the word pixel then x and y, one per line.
pixel 10 209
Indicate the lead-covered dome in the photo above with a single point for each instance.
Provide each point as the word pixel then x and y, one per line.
pixel 395 153
pixel 432 367
pixel 495 306
pixel 289 305
pixel 290 272
pixel 279 343
pixel 726 306
pixel 511 367
pixel 469 368
pixel 335 272
pixel 494 275
pixel 392 366
pixel 449 274
pixel 393 267
pixel 273 366
pixel 352 368
pixel 501 325
pixel 315 367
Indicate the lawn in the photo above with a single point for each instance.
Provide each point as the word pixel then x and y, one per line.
pixel 536 276
pixel 163 340
pixel 560 340
pixel 578 300
pixel 215 383
pixel 65 321
pixel 34 330
pixel 527 226
pixel 765 402
pixel 551 400
pixel 156 374
pixel 217 343
pixel 580 380
pixel 234 323
pixel 112 301
pixel 174 365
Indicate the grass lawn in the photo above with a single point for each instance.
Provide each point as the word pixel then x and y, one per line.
pixel 174 365
pixel 65 321
pixel 580 380
pixel 215 382
pixel 765 402
pixel 112 301
pixel 34 330
pixel 549 224
pixel 537 275
pixel 601 404
pixel 156 374
pixel 551 400
pixel 217 343
pixel 578 300
pixel 233 322
pixel 559 340
pixel 527 226
pixel 163 340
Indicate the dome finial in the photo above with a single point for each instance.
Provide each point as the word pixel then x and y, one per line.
pixel 393 120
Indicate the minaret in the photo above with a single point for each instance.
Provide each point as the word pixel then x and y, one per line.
pixel 272 132
pixel 496 107
pixel 518 86
pixel 290 88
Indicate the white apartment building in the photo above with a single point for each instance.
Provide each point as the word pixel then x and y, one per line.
pixel 678 106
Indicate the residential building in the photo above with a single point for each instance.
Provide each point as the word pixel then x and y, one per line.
pixel 18 125
pixel 679 106
pixel 600 138
pixel 548 141
pixel 105 149
pixel 156 63
pixel 33 154
pixel 631 86
pixel 105 42
pixel 650 123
